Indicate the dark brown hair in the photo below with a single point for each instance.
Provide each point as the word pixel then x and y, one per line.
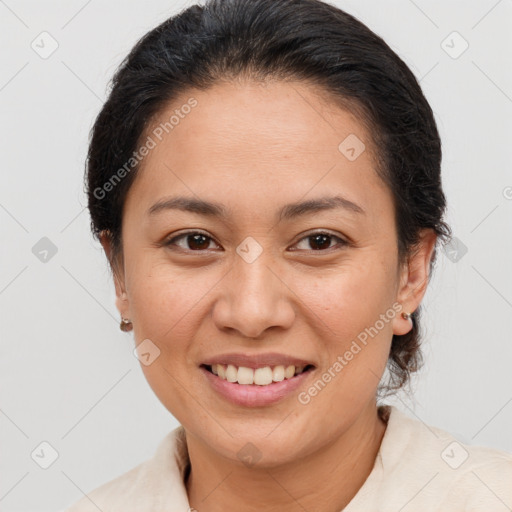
pixel 307 40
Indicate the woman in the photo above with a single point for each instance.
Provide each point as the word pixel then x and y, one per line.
pixel 265 181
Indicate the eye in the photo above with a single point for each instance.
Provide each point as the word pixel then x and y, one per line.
pixel 198 241
pixel 321 240
pixel 193 241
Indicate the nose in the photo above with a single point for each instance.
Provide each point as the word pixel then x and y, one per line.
pixel 253 298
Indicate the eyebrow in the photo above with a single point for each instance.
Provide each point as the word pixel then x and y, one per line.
pixel 287 212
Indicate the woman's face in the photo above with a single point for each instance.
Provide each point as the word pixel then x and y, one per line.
pixel 258 282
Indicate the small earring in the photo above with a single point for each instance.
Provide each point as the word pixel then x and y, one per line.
pixel 125 325
pixel 406 316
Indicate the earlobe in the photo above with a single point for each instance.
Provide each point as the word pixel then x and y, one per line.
pixel 402 323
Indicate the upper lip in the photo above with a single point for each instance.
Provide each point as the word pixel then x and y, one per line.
pixel 256 360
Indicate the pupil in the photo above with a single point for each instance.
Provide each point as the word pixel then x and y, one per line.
pixel 197 241
pixel 318 239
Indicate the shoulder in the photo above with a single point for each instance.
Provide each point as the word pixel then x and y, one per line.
pixel 154 483
pixel 484 480
pixel 111 492
pixel 450 473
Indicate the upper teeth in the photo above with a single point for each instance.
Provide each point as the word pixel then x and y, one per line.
pixel 260 376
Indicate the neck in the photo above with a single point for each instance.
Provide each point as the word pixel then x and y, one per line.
pixel 327 479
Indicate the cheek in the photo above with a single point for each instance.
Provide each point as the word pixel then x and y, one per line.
pixel 164 297
pixel 353 309
pixel 165 306
pixel 351 296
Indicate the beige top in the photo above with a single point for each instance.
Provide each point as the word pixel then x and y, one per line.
pixel 418 468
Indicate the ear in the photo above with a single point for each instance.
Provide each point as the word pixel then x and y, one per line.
pixel 117 268
pixel 414 278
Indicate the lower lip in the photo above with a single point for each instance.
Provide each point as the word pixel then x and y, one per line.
pixel 253 395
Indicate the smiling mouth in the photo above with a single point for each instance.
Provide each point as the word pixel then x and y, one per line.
pixel 263 376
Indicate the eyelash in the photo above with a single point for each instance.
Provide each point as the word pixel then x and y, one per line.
pixel 171 241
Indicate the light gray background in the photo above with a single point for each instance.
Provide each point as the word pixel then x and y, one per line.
pixel 68 374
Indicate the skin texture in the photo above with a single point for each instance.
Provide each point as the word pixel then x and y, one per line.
pixel 255 147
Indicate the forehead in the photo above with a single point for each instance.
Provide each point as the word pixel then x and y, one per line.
pixel 258 143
